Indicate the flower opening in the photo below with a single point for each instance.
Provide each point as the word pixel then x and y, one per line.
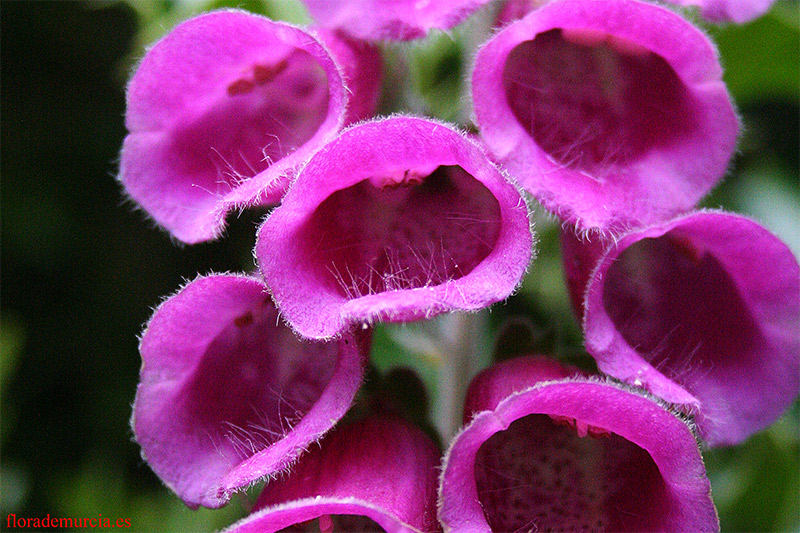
pixel 219 112
pixel 702 311
pixel 571 453
pixel 610 125
pixel 228 395
pixel 396 220
pixel 376 474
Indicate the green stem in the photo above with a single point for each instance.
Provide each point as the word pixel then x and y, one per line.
pixel 461 339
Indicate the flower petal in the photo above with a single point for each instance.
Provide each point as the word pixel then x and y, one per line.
pixel 395 220
pixel 703 310
pixel 228 395
pixel 219 112
pixel 398 20
pixel 714 10
pixel 378 473
pixel 361 64
pixel 573 454
pixel 610 124
pixel 739 11
pixel 500 380
pixel 516 9
pixel 580 255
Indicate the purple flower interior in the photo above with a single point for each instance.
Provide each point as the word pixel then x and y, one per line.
pixel 266 111
pixel 593 101
pixel 541 474
pixel 331 523
pixel 681 310
pixel 410 229
pixel 254 382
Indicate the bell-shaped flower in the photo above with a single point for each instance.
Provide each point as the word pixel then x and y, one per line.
pixel 377 474
pixel 512 10
pixel 609 124
pixel 579 256
pixel 703 311
pixel 714 10
pixel 228 394
pixel 395 220
pixel 219 113
pixel 738 11
pixel 361 65
pixel 547 453
pixel 393 20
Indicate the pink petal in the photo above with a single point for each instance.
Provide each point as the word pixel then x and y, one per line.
pixel 376 473
pixel 573 454
pixel 361 65
pixel 610 124
pixel 219 112
pixel 396 220
pixel 738 11
pixel 397 20
pixel 714 10
pixel 500 380
pixel 580 255
pixel 704 311
pixel 228 395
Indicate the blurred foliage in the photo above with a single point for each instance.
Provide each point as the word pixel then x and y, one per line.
pixel 761 58
pixel 82 269
pixel 755 485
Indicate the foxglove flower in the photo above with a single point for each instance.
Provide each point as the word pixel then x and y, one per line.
pixel 219 112
pixel 228 395
pixel 704 311
pixel 579 255
pixel 376 474
pixel 610 124
pixel 714 10
pixel 395 20
pixel 552 454
pixel 361 66
pixel 395 220
pixel 728 10
pixel 516 9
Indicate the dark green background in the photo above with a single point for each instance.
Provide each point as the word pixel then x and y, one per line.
pixel 82 269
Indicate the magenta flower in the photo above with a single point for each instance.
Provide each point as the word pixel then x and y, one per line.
pixel 728 10
pixel 228 395
pixel 395 20
pixel 570 454
pixel 579 255
pixel 703 311
pixel 610 124
pixel 361 66
pixel 376 474
pixel 516 9
pixel 395 220
pixel 219 112
pixel 715 10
